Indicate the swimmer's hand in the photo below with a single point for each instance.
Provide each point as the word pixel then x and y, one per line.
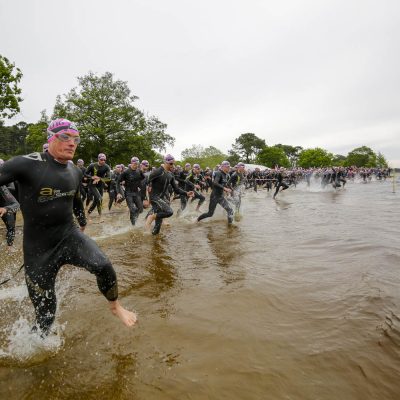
pixel 2 211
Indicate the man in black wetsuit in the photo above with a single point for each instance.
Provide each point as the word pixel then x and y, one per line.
pixel 113 188
pixel 194 182
pixel 99 174
pixel 280 183
pixel 132 178
pixel 236 184
pixel 219 186
pixel 49 193
pixel 160 179
pixel 181 176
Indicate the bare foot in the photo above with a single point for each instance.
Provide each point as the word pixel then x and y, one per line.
pixel 128 318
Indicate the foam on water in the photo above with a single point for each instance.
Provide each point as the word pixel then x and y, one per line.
pixel 21 346
pixel 28 348
pixel 16 293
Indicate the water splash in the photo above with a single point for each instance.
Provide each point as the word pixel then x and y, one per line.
pixel 27 348
pixel 19 346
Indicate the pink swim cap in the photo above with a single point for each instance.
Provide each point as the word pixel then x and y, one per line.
pixel 60 125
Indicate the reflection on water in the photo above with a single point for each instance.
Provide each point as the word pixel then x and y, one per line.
pixel 226 246
pixel 297 300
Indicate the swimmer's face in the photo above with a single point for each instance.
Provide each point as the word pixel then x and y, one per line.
pixel 64 150
pixel 225 168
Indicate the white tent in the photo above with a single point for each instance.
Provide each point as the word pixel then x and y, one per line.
pixel 252 167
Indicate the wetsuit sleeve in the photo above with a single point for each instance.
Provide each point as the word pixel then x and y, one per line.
pixel 118 181
pixel 11 204
pixel 155 174
pixel 189 181
pixel 10 170
pixel 217 179
pixel 107 176
pixel 89 171
pixel 233 180
pixel 79 210
pixel 176 188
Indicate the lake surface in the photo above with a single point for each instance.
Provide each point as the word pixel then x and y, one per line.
pixel 298 300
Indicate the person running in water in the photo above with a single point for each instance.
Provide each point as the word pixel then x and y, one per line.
pixel 159 180
pixel 49 196
pixel 132 178
pixel 113 187
pixel 99 174
pixel 219 187
pixel 280 183
pixel 236 184
pixel 194 182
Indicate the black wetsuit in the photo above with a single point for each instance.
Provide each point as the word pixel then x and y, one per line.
pixel 192 180
pixel 8 201
pixel 160 180
pixel 217 196
pixel 97 189
pixel 181 178
pixel 236 183
pixel 133 180
pixel 49 193
pixel 84 184
pixel 112 189
pixel 280 183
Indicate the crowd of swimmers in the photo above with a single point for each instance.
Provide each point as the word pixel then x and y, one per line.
pixel 51 191
pixel 144 187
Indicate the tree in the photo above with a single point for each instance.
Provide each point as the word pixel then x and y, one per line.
pixel 212 151
pixel 292 152
pixel 316 157
pixel 381 161
pixel 362 157
pixel 233 157
pixel 37 133
pixel 339 160
pixel 108 121
pixel 154 132
pixel 13 139
pixel 273 156
pixel 247 146
pixel 208 157
pixel 10 77
pixel 196 151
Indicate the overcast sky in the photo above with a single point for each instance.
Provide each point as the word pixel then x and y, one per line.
pixel 310 73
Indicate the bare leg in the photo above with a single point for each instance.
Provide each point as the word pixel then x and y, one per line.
pixel 150 219
pixel 128 318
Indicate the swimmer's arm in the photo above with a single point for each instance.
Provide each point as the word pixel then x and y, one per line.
pixel 118 182
pixel 216 180
pixel 10 171
pixel 176 188
pixel 79 210
pixel 155 174
pixel 12 204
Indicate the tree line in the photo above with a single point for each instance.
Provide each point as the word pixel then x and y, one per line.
pixel 109 122
pixel 250 149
